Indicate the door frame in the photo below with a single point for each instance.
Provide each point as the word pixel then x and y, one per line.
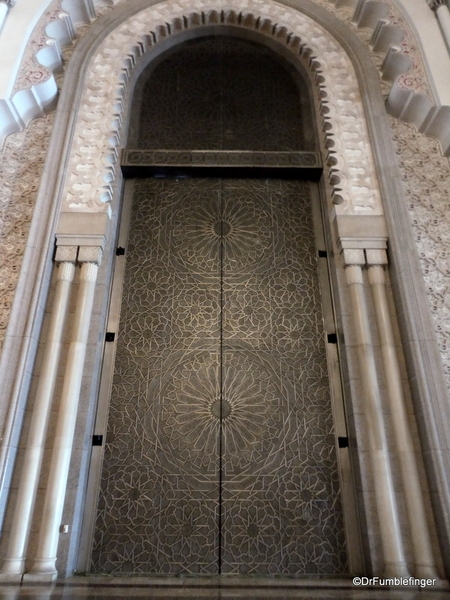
pixel 335 377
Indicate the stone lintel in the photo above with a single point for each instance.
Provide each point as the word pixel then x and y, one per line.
pixel 82 229
pixel 361 232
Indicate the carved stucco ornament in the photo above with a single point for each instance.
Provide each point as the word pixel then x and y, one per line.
pixel 93 157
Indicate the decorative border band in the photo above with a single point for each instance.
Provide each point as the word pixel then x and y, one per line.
pixel 221 163
pixel 220 158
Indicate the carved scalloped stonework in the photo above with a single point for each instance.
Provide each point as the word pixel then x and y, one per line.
pixel 426 176
pixel 415 79
pixel 32 72
pixel 91 166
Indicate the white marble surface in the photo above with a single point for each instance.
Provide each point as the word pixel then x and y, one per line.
pixel 24 16
pixel 215 589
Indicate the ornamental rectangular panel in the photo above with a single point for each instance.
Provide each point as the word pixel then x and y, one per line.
pixel 220 454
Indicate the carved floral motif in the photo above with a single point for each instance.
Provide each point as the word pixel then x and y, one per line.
pixel 426 177
pixel 20 172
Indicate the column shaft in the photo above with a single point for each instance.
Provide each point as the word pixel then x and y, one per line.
pixel 4 9
pixel 421 542
pixel 44 565
pixel 394 558
pixel 15 555
pixel 443 15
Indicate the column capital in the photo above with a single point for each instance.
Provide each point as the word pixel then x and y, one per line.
pixel 66 254
pixel 90 254
pixel 376 256
pixel 89 272
pixel 65 271
pixel 353 256
pixel 435 4
pixel 354 275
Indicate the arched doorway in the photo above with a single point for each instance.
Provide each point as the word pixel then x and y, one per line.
pixel 220 454
pixel 94 98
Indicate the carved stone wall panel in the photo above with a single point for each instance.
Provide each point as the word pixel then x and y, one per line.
pixel 426 176
pixel 91 166
pixel 21 169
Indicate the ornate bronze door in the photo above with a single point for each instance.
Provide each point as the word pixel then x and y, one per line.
pixel 220 454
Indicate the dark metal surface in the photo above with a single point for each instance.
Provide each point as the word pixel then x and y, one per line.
pixel 221 163
pixel 223 93
pixel 220 410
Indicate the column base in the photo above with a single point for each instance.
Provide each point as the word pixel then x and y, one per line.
pixel 396 570
pixel 442 584
pixel 39 577
pixel 425 572
pixel 11 577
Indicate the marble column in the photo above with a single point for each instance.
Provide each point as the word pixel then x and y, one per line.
pixel 420 534
pixel 44 567
pixel 440 7
pixel 393 553
pixel 5 5
pixel 14 562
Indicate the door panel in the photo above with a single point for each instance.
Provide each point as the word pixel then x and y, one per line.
pixel 220 454
pixel 281 510
pixel 159 498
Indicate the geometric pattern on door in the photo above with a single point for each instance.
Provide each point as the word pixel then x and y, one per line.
pixel 220 410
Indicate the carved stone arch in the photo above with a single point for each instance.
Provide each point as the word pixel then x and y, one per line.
pixel 409 98
pixel 91 171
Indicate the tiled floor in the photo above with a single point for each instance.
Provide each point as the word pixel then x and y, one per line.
pixel 213 589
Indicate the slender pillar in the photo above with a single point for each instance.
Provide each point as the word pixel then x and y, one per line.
pixel 15 556
pixel 440 7
pixel 421 541
pixel 44 568
pixel 5 5
pixel 394 558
